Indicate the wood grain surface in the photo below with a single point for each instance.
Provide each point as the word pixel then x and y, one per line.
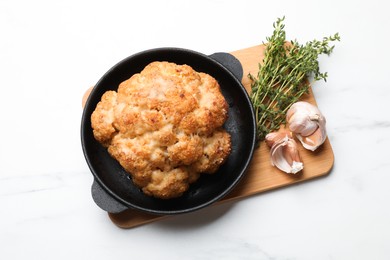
pixel 261 176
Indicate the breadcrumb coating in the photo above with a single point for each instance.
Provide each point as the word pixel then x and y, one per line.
pixel 164 126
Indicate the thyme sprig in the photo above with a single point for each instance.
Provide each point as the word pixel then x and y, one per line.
pixel 283 76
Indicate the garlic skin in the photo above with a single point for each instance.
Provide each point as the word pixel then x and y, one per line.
pixel 313 141
pixel 284 152
pixel 308 124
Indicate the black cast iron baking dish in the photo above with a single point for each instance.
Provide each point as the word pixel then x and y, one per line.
pixel 113 190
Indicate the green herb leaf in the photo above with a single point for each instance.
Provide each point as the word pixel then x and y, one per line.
pixel 283 76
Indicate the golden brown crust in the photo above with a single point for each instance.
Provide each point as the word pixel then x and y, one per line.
pixel 164 126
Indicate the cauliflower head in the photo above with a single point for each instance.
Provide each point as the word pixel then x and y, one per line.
pixel 164 126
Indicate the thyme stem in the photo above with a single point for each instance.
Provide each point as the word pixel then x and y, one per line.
pixel 282 76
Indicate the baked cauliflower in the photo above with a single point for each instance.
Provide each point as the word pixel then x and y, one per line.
pixel 164 126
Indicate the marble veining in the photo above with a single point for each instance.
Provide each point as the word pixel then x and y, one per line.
pixel 51 52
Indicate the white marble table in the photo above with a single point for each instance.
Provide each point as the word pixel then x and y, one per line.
pixel 50 52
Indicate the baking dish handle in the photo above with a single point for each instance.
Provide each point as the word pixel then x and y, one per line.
pixel 230 62
pixel 104 200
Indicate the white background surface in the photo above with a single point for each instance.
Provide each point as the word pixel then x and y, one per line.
pixel 52 51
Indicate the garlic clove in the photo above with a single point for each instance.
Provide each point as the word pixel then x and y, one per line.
pixel 275 137
pixel 303 118
pixel 308 124
pixel 270 139
pixel 284 152
pixel 302 125
pixel 315 140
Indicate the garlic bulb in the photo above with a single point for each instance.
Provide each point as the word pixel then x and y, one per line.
pixel 284 152
pixel 308 124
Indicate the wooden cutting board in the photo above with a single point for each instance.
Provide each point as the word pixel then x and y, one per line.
pixel 261 175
